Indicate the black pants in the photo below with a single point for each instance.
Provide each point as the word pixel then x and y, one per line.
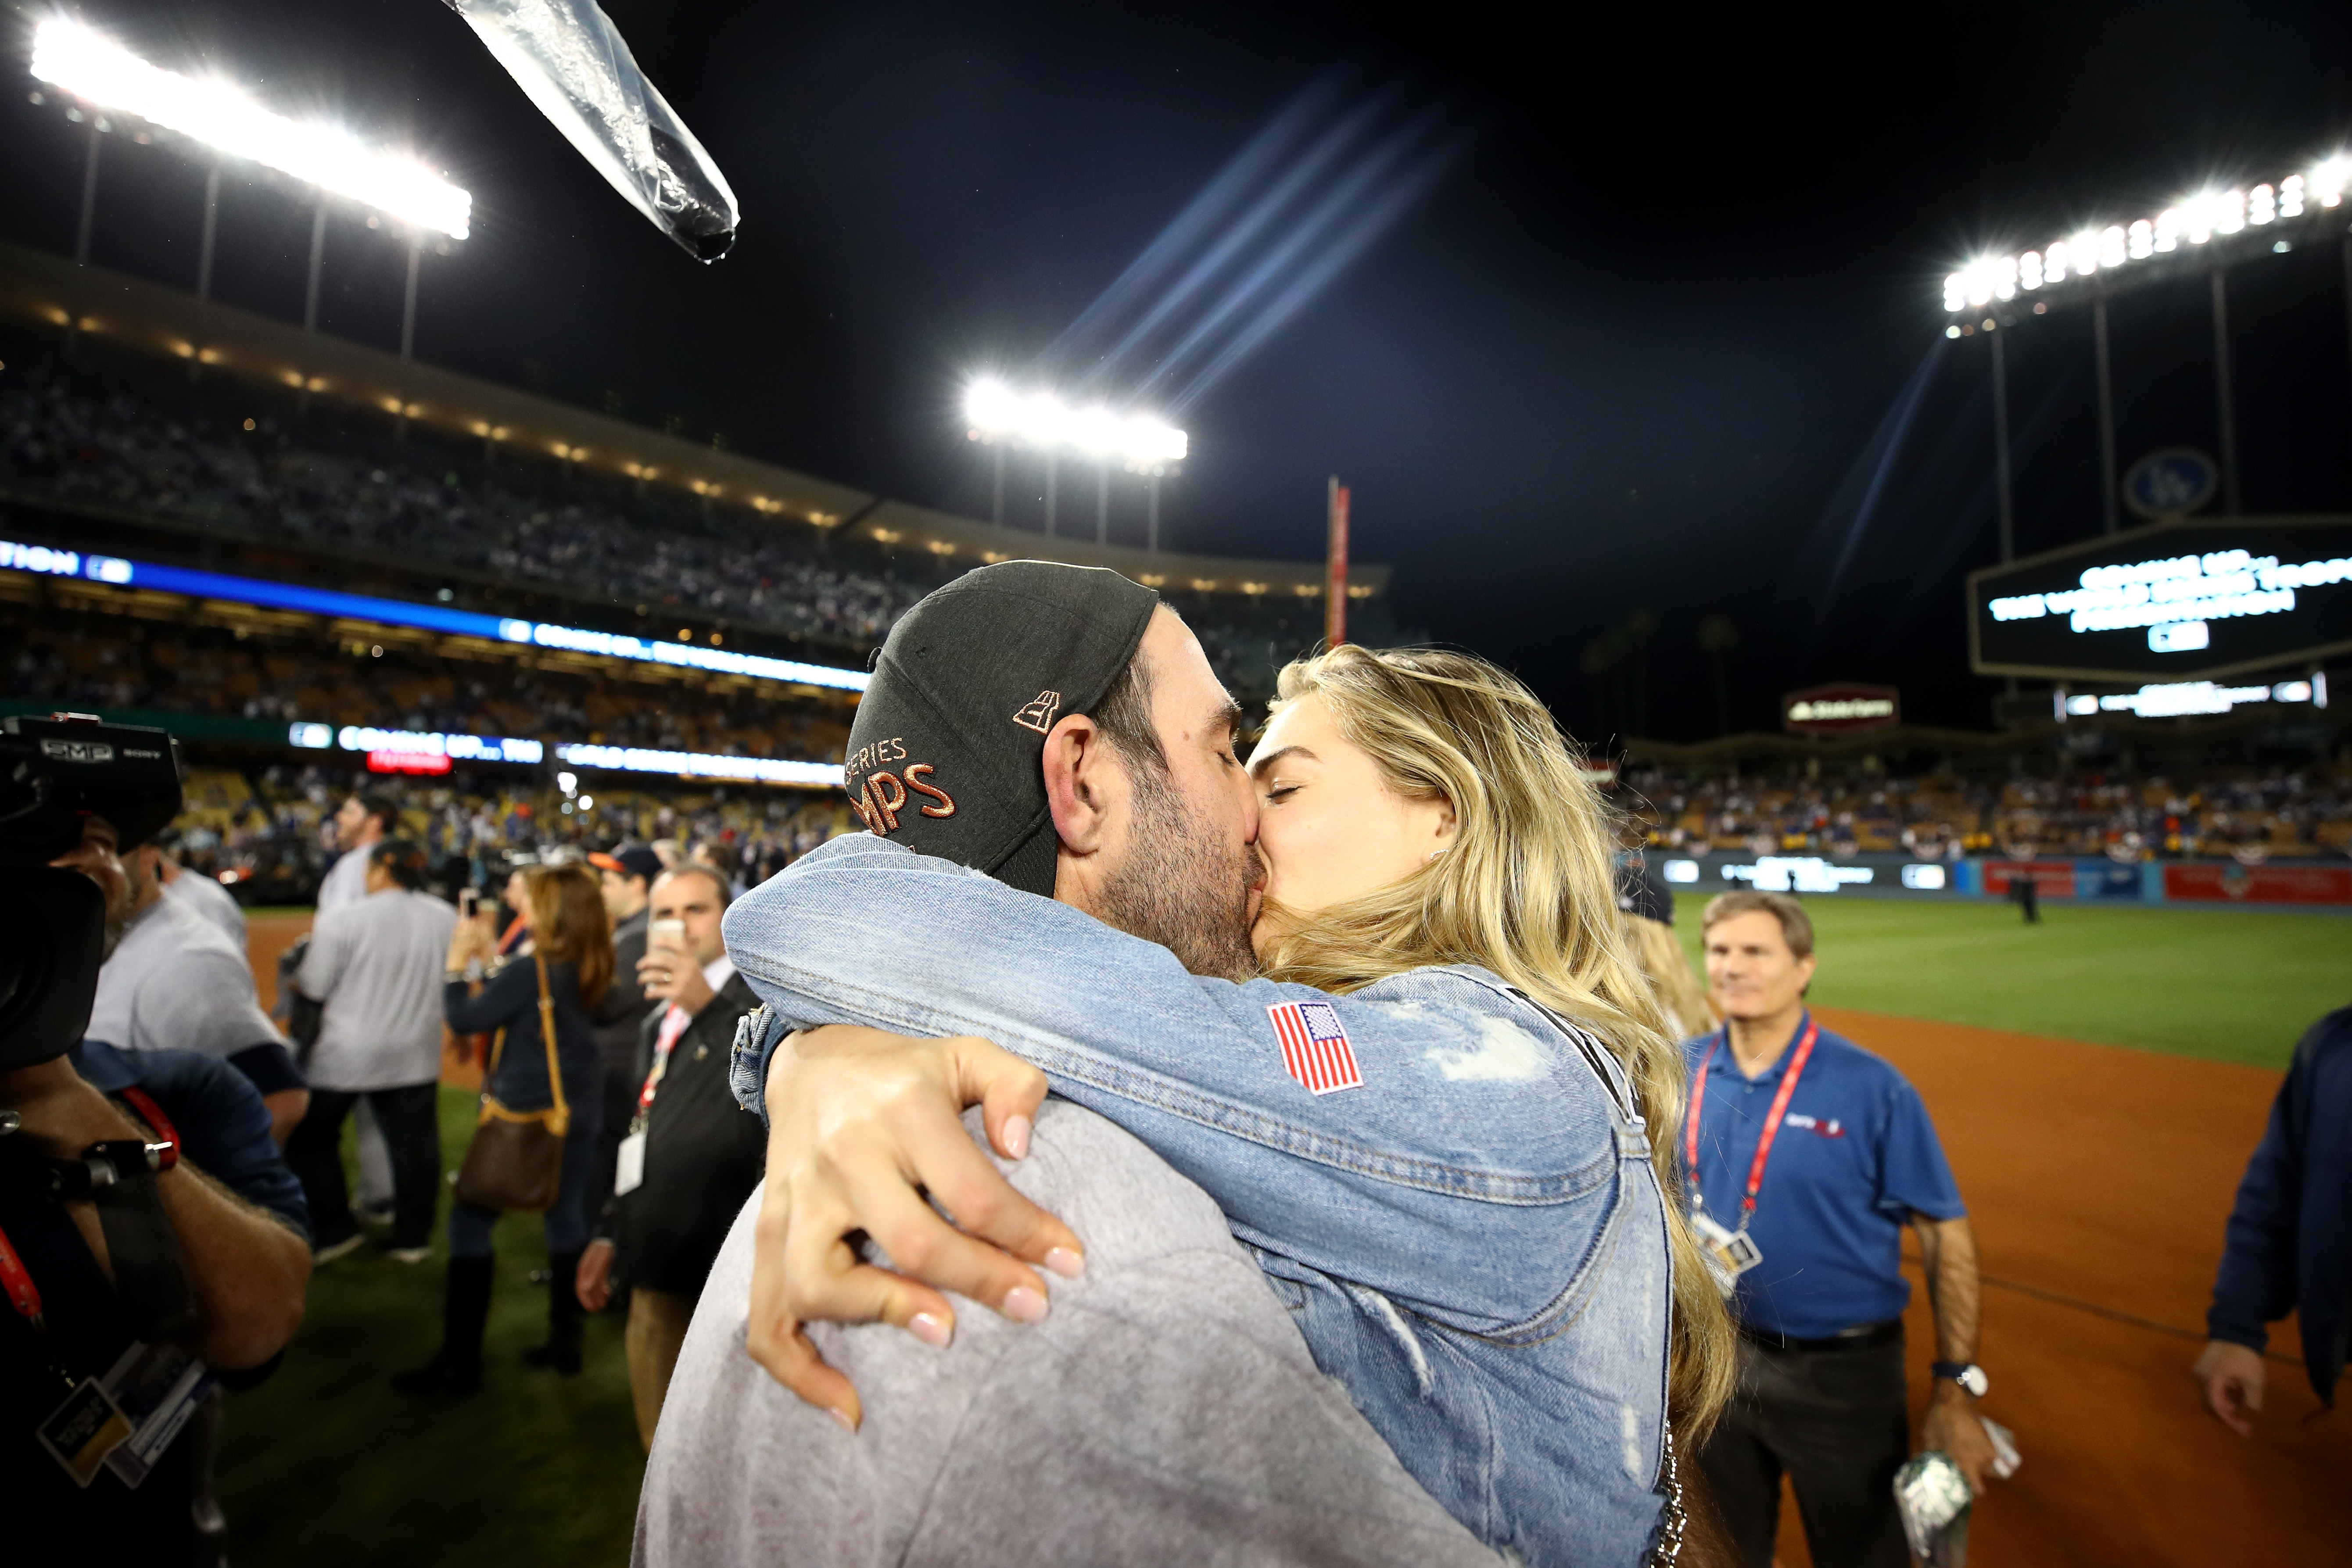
pixel 620 1086
pixel 410 1117
pixel 1835 1420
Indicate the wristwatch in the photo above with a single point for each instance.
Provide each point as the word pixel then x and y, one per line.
pixel 1968 1375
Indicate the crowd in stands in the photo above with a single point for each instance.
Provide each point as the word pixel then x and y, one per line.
pixel 267 834
pixel 80 661
pixel 2251 814
pixel 110 435
pixel 113 429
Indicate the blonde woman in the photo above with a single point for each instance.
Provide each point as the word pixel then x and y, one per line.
pixel 1648 920
pixel 1442 1124
pixel 561 973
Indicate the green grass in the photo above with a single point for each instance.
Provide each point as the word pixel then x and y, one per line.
pixel 324 1463
pixel 2232 986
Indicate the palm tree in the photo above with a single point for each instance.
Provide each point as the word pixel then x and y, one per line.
pixel 1596 670
pixel 1716 637
pixel 1640 626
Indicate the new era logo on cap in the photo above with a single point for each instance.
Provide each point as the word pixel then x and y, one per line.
pixel 1314 1046
pixel 1038 714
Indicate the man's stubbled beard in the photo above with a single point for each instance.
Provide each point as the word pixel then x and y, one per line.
pixel 1178 885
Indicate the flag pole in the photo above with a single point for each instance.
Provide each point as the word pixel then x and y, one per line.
pixel 1335 583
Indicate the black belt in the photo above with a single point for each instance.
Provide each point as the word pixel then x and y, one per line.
pixel 1862 1336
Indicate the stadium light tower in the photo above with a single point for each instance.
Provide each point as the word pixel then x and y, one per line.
pixel 1000 416
pixel 2206 233
pixel 80 60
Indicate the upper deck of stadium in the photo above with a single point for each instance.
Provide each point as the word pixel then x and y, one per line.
pixel 242 344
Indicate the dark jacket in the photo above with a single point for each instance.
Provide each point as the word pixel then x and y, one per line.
pixel 510 1002
pixel 704 1155
pixel 2289 1242
pixel 624 1004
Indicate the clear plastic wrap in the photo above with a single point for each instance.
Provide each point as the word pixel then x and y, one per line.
pixel 570 60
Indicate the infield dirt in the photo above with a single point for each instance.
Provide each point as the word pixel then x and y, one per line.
pixel 2099 1178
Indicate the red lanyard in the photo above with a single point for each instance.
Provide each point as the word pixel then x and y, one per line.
pixel 664 1041
pixel 1772 1121
pixel 167 1152
pixel 23 1294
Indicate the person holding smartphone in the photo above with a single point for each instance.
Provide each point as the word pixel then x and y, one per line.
pixel 688 1155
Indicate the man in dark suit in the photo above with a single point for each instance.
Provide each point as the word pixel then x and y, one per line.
pixel 689 1155
pixel 629 873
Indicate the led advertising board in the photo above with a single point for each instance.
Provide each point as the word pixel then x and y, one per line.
pixel 1839 709
pixel 2177 601
pixel 43 560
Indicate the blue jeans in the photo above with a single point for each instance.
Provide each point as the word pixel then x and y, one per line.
pixel 567 1222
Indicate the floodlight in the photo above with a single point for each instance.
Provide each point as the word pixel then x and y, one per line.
pixel 995 411
pixel 79 61
pixel 2195 220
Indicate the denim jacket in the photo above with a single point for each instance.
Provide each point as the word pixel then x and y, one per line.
pixel 1472 1241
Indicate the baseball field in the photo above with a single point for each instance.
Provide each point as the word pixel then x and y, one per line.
pixel 2099 1081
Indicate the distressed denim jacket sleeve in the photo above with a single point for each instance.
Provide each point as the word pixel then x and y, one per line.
pixel 1437 1181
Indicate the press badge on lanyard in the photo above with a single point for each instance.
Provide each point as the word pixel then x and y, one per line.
pixel 1731 1253
pixel 629 1169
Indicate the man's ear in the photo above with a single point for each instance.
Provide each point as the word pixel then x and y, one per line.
pixel 1081 780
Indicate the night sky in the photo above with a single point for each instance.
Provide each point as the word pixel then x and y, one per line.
pixel 1644 344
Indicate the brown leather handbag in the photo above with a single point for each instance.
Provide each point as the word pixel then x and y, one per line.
pixel 516 1160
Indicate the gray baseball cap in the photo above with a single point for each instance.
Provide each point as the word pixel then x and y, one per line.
pixel 945 753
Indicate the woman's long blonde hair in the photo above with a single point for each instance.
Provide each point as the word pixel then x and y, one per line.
pixel 1659 953
pixel 1527 891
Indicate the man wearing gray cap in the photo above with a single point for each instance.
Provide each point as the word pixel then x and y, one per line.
pixel 1167 1406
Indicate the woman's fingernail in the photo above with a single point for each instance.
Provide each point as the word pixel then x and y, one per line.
pixel 843 1416
pixel 1016 1137
pixel 931 1329
pixel 1070 1265
pixel 1025 1305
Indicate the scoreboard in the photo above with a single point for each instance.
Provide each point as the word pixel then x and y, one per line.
pixel 2193 599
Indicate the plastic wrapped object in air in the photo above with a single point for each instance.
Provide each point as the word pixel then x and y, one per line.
pixel 570 60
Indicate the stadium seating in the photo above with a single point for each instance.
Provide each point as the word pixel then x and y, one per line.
pixel 263 833
pixel 116 429
pixel 2252 814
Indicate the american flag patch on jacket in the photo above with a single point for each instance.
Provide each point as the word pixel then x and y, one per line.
pixel 1314 1046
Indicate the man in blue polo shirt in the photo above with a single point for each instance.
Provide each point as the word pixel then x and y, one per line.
pixel 1809 1156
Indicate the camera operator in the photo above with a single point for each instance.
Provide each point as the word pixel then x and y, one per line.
pixel 153 1241
pixel 174 982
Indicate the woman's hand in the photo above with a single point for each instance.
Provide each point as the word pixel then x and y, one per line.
pixel 470 940
pixel 862 1124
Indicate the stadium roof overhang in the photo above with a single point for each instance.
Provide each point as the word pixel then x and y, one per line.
pixel 243 344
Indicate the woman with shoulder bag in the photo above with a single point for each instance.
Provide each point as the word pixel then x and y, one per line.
pixel 534 1147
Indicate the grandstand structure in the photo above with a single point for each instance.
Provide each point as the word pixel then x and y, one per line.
pixel 405 395
pixel 309 558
